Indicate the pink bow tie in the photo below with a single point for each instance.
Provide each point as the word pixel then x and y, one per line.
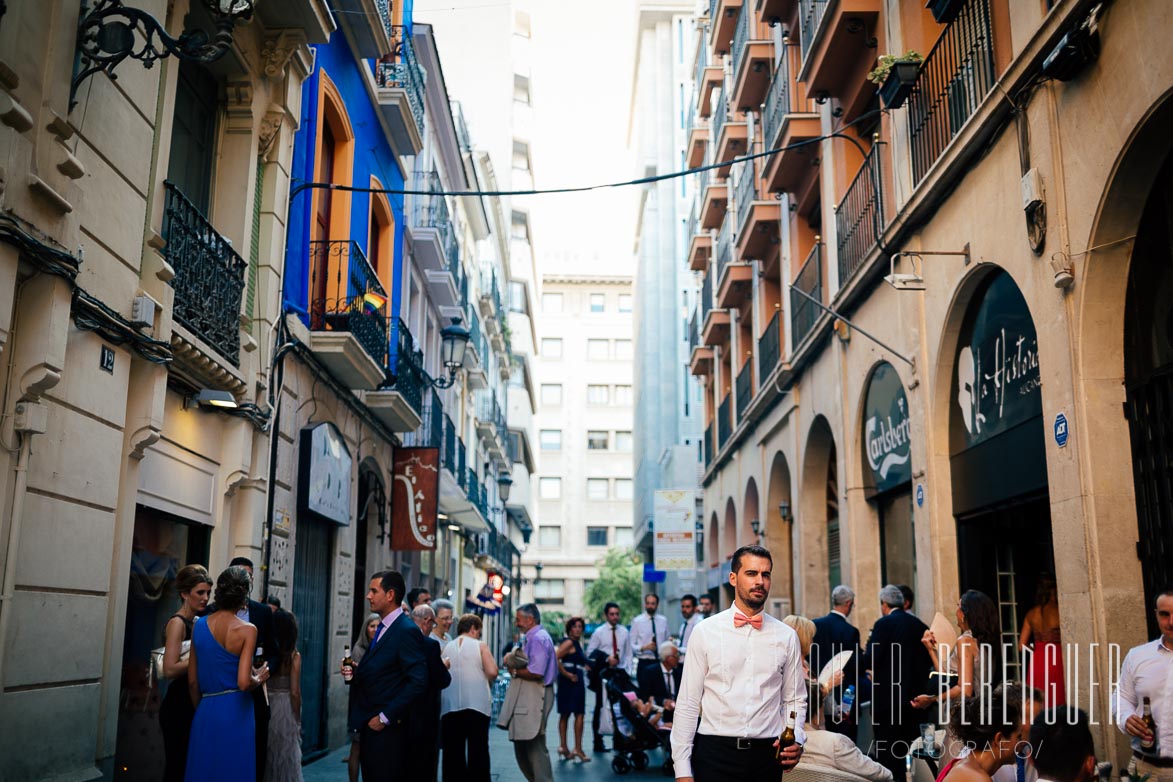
pixel 753 621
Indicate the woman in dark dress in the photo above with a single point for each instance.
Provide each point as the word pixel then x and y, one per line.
pixel 572 688
pixel 194 586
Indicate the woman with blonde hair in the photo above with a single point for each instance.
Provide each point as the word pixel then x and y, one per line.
pixel 806 636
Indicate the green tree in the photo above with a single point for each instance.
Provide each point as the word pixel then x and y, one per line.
pixel 555 623
pixel 620 581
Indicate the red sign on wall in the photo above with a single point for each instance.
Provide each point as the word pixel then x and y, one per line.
pixel 415 491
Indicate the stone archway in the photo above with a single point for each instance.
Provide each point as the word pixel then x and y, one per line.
pixel 750 513
pixel 713 547
pixel 818 519
pixel 777 529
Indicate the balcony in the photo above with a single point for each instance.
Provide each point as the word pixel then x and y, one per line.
pixel 348 320
pixel 708 445
pixel 768 348
pixel 432 235
pixel 729 135
pixel 476 355
pixel 722 24
pixel 803 312
pixel 758 220
pixel 492 306
pixel 707 77
pixel 753 53
pixel 734 280
pixel 209 276
pixel 790 168
pixel 770 11
pixel 700 242
pixel 399 402
pixel 366 24
pixel 714 322
pixel 744 388
pixel 724 422
pixel 838 49
pixel 700 356
pixel 399 95
pixel 954 78
pixel 697 137
pixel 859 218
pixel 714 199
pixel 430 433
pixel 491 424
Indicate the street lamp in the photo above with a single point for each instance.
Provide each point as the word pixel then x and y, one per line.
pixel 784 511
pixel 110 32
pixel 504 485
pixel 453 342
pixel 537 571
pixel 756 526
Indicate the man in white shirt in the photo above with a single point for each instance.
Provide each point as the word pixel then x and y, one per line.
pixel 1147 672
pixel 706 607
pixel 742 682
pixel 692 618
pixel 648 631
pixel 613 640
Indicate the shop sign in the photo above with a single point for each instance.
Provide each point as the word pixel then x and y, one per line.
pixel 887 437
pixel 998 380
pixel 324 473
pixel 674 530
pixel 415 484
pixel 1061 430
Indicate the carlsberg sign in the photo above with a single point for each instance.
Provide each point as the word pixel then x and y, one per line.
pixel 886 435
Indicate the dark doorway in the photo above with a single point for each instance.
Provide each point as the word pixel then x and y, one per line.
pixel 897 538
pixel 314 551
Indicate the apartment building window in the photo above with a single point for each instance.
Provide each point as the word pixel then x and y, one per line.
pixel 521 25
pixel 624 537
pixel 551 393
pixel 551 439
pixel 625 302
pixel 549 590
pixel 518 301
pixel 596 395
pixel 597 440
pixel 519 225
pixel 597 349
pixel 193 138
pixel 596 536
pixel 598 302
pixel 596 488
pixel 517 452
pixel 549 537
pixel 552 302
pixel 623 489
pixel 521 92
pixel 550 488
pixel 623 395
pixel 623 442
pixel 521 155
pixel 552 347
pixel 517 373
pixel 623 349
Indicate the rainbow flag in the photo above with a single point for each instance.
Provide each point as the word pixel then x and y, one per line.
pixel 373 302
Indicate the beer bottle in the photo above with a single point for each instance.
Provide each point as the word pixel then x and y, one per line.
pixel 1146 716
pixel 787 737
pixel 347 662
pixel 259 657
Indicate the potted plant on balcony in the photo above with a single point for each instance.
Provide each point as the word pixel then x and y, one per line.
pixel 895 74
pixel 945 11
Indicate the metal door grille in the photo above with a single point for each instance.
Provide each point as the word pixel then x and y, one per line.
pixel 311 604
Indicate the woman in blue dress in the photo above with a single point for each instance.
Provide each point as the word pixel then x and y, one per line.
pixel 220 678
pixel 572 688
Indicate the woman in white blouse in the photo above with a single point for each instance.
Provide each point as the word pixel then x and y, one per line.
pixel 833 750
pixel 465 704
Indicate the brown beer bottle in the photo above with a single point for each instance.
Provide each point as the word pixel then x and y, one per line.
pixel 787 737
pixel 348 662
pixel 1146 716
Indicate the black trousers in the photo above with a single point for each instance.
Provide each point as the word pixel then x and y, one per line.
pixel 595 716
pixel 892 743
pixel 717 759
pixel 261 714
pixel 381 754
pixel 465 737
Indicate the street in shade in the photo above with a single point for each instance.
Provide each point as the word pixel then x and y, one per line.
pixel 504 767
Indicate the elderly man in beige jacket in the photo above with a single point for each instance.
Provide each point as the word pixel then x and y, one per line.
pixel 530 696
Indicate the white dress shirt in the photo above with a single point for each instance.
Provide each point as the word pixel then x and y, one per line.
pixel 739 682
pixel 642 634
pixel 833 750
pixel 686 630
pixel 601 640
pixel 1147 671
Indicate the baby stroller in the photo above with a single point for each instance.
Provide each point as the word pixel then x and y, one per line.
pixel 631 746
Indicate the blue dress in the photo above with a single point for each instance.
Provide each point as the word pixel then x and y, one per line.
pixel 572 695
pixel 223 745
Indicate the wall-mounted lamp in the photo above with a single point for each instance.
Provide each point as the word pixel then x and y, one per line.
pixel 211 397
pixel 454 528
pixel 756 526
pixel 453 342
pixel 504 485
pixel 109 32
pixel 784 511
pixel 537 571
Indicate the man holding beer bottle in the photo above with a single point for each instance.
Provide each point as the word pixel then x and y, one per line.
pixel 1143 704
pixel 743 681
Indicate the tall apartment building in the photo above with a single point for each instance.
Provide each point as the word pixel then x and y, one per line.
pixel 979 407
pixel 668 401
pixel 585 487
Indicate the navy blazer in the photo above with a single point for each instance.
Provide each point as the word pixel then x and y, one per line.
pixel 651 683
pixel 834 634
pixel 425 712
pixel 390 676
pixel 900 667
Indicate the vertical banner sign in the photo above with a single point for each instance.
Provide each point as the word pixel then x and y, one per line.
pixel 415 486
pixel 674 542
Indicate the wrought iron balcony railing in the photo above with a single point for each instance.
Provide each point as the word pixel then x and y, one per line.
pixel 707 294
pixel 431 431
pixel 954 79
pixel 777 101
pixel 406 368
pixel 744 389
pixel 746 192
pixel 810 16
pixel 461 463
pixel 698 72
pixel 384 9
pixel 404 72
pixel 724 422
pixel 694 220
pixel 488 411
pixel 702 182
pixel 713 5
pixel 482 502
pixel 741 36
pixel 693 333
pixel 724 249
pixel 720 117
pixel 491 288
pixel 803 312
pixel 708 445
pixel 768 349
pixel 476 338
pixel 346 295
pixel 448 456
pixel 209 275
pixel 474 488
pixel 859 218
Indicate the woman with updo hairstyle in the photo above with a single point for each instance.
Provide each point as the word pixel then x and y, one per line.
pixel 992 727
pixel 220 679
pixel 194 586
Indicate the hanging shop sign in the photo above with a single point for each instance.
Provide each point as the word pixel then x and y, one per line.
pixel 324 474
pixel 887 440
pixel 415 485
pixel 674 530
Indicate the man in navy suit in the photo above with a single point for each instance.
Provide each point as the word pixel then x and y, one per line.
pixel 662 681
pixel 424 728
pixel 900 667
pixel 392 675
pixel 834 634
